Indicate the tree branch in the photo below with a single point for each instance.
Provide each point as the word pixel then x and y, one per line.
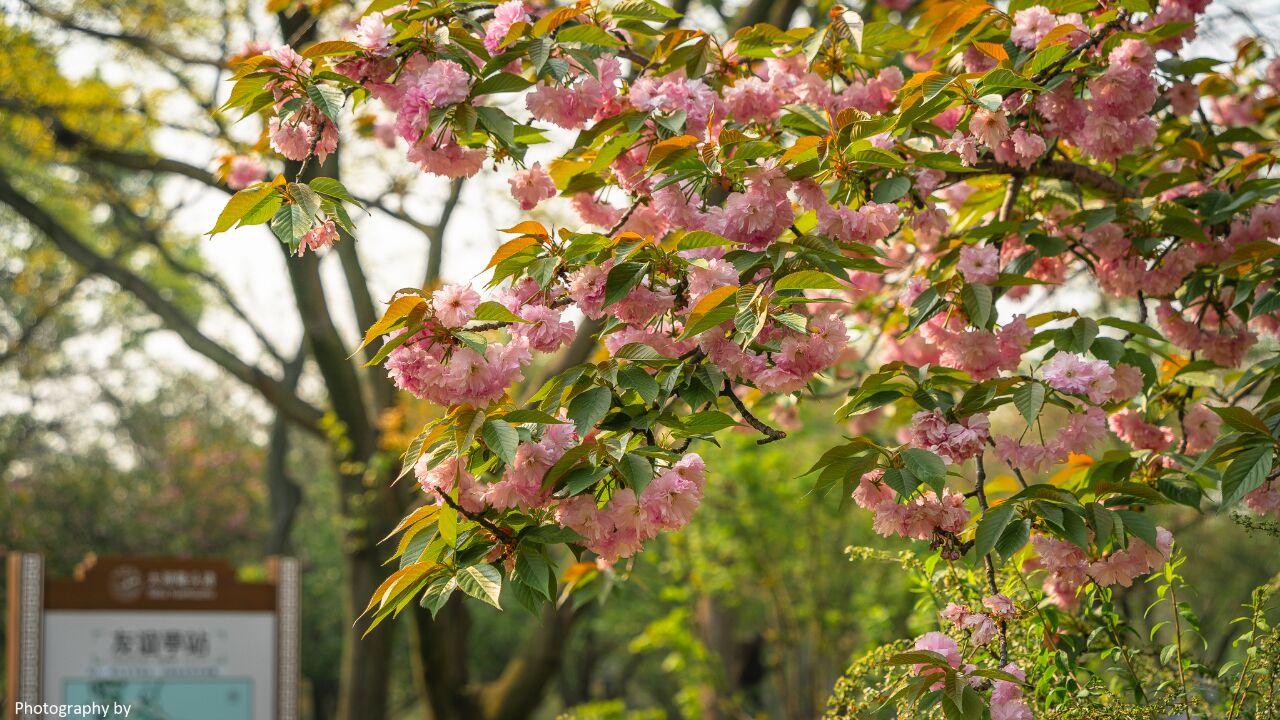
pixel 435 235
pixel 70 139
pixel 524 680
pixel 283 492
pixel 151 237
pixel 140 42
pixel 1081 175
pixel 271 389
pixel 992 585
pixel 770 434
pixel 41 317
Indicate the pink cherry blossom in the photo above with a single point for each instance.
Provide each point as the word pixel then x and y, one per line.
pixel 1200 426
pixel 955 442
pixel 531 186
pixel 455 305
pixel 243 171
pixel 990 128
pixel 979 263
pixel 543 328
pixel 1031 25
pixel 504 16
pixel 1139 433
pixel 292 140
pixel 1070 373
pixel 321 236
pixel 373 34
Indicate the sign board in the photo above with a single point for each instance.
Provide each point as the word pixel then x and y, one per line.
pixel 163 637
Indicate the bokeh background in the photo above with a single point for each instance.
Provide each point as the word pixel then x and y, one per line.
pixel 166 393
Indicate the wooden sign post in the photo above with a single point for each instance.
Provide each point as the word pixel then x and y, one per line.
pixel 166 637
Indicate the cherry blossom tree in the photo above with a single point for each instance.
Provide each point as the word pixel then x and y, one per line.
pixel 1034 243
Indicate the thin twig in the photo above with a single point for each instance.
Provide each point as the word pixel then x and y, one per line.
pixel 771 434
pixel 1079 50
pixel 980 490
pixel 480 520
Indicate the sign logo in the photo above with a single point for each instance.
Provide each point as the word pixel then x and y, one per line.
pixel 125 583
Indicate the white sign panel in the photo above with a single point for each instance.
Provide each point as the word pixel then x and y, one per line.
pixel 177 665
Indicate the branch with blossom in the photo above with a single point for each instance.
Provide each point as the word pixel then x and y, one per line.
pixel 776 211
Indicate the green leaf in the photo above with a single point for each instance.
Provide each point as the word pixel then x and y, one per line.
pixel 1074 529
pixel 580 478
pixel 918 657
pixel 589 408
pixel 1242 420
pixel 438 593
pixel 496 312
pixel 701 239
pixel 482 582
pixel 926 466
pixel 328 98
pixel 633 377
pixel 636 471
pixel 263 211
pixel 953 687
pixel 934 87
pixel 334 189
pixel 503 82
pixel 499 124
pixel 533 571
pixel 1083 331
pixel 891 189
pixel 448 523
pixel 991 527
pixel 1139 525
pixel 643 10
pixel 536 417
pixel 977 301
pixel 808 280
pixel 1245 473
pixel 289 224
pixel 926 305
pixel 472 340
pixel 622 278
pixel 540 51
pixel 305 197
pixel 876 156
pixel 240 205
pixel 903 481
pixel 1013 538
pixel 710 319
pixel 588 34
pixel 1029 399
pixel 708 421
pixel 641 353
pixel 245 89
pixel 1002 79
pixel 1103 522
pixel 1132 327
pixel 501 438
pixel 1109 349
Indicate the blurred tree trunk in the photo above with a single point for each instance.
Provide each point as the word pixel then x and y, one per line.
pixel 284 495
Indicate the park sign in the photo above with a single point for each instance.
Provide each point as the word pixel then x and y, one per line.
pixel 152 637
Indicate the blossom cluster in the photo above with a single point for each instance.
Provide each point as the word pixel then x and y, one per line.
pixel 920 518
pixel 621 527
pixel 1069 567
pixel 769 217
pixel 1007 701
pixel 980 625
